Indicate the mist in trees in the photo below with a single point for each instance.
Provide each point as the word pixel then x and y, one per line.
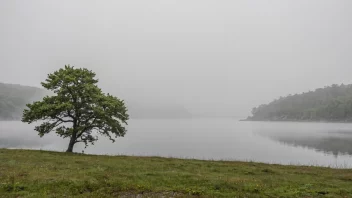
pixel 331 103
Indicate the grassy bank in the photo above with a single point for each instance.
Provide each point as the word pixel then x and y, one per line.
pixel 25 173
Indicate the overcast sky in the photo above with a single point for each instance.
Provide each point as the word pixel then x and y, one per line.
pixel 208 55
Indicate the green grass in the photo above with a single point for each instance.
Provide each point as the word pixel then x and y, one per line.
pixel 25 173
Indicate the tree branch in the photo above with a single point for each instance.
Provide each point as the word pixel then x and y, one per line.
pixel 62 120
pixel 87 127
pixel 70 115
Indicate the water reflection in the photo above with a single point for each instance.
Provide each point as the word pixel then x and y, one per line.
pixel 335 142
pixel 216 139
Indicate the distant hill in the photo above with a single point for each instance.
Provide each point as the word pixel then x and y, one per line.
pixel 331 103
pixel 13 99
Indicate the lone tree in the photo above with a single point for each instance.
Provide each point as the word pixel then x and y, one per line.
pixel 79 110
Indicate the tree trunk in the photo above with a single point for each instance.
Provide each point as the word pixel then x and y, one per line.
pixel 71 144
pixel 73 137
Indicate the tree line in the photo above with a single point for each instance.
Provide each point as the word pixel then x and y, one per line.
pixel 331 103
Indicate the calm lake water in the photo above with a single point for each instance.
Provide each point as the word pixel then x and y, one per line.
pixel 319 144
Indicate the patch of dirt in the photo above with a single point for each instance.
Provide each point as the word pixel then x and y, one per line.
pixel 152 195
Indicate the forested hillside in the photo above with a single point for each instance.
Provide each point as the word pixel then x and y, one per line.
pixel 331 103
pixel 13 99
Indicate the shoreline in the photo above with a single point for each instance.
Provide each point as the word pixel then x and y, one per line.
pixel 226 160
pixel 299 121
pixel 35 173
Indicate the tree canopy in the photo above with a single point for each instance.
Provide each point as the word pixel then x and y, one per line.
pixel 331 103
pixel 78 110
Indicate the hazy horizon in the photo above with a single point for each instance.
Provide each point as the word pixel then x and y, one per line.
pixel 208 56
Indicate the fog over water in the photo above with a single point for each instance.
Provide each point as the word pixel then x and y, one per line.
pixel 318 144
pixel 213 59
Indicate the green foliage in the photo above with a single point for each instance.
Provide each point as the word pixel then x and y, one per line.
pixel 79 110
pixel 27 173
pixel 332 103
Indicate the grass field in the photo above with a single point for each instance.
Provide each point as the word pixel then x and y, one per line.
pixel 25 173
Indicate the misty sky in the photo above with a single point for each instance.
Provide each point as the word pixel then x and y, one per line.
pixel 212 56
